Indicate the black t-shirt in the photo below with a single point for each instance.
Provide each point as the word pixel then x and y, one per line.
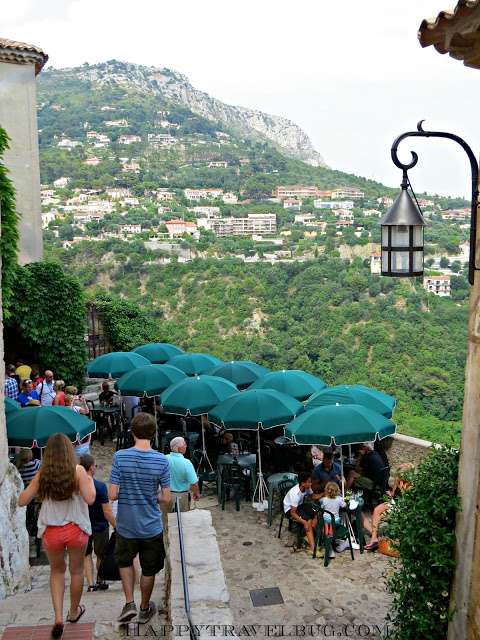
pixel 371 463
pixel 105 397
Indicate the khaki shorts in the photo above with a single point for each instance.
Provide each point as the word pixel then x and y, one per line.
pixel 98 542
pixel 363 483
pixel 151 553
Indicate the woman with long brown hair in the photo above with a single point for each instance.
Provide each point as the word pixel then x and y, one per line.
pixel 65 491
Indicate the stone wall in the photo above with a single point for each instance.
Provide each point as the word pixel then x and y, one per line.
pixel 208 592
pixel 401 449
pixel 18 116
pixel 14 564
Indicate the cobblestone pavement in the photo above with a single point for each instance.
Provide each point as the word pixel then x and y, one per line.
pixel 344 593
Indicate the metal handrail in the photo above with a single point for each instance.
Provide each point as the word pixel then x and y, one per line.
pixel 193 633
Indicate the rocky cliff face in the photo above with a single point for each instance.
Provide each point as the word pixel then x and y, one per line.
pixel 242 122
pixel 286 135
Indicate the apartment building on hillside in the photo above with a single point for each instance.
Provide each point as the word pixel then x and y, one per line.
pixel 256 223
pixel 439 285
pixel 296 191
pixel 347 192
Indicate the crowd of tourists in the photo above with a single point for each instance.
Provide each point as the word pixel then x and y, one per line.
pixel 76 514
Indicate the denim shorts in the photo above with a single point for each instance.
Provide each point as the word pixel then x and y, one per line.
pixel 70 536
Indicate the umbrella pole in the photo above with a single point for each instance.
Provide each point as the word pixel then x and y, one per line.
pixel 261 490
pixel 157 443
pixel 343 477
pixel 205 456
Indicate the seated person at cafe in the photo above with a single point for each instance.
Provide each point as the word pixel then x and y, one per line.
pixel 325 472
pixel 215 436
pixel 28 396
pixel 368 464
pixel 295 507
pixel 400 485
pixel 107 397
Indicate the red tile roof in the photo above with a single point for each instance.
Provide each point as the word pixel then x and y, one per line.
pixel 13 45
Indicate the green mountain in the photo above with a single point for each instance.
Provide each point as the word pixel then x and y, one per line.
pixel 115 98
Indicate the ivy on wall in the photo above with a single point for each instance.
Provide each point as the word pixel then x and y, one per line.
pixel 10 235
pixel 126 326
pixel 48 308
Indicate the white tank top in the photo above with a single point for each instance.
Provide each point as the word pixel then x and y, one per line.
pixel 56 513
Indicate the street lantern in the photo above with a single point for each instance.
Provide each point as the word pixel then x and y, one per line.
pixel 402 225
pixel 402 236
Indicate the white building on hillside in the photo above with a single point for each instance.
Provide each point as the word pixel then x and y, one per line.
pixel 439 285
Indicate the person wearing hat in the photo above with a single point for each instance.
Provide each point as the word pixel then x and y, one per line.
pixel 28 396
pixel 183 479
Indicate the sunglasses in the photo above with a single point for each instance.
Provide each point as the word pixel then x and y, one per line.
pixel 26 381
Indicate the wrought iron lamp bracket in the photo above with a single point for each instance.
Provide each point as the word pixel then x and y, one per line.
pixel 420 133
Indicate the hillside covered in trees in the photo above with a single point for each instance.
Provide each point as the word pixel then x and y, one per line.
pixel 328 316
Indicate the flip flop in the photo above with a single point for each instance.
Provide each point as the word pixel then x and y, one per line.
pixel 57 630
pixel 82 611
pixel 371 546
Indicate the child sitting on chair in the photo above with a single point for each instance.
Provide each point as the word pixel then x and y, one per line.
pixel 332 502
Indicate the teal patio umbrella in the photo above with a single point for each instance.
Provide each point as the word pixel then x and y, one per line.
pixel 293 382
pixel 115 364
pixel 344 424
pixel 37 424
pixel 11 405
pixel 193 364
pixel 241 372
pixel 196 395
pixel 149 380
pixel 353 394
pixel 340 423
pixel 158 352
pixel 253 410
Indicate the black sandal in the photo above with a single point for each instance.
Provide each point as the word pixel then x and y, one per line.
pixel 57 630
pixel 82 611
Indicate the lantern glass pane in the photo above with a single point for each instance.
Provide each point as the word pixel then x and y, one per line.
pixel 418 261
pixel 400 262
pixel 400 236
pixel 385 261
pixel 418 236
pixel 384 236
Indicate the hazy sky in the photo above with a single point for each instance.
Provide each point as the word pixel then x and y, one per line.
pixel 351 73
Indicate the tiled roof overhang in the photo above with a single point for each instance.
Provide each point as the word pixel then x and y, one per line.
pixel 22 53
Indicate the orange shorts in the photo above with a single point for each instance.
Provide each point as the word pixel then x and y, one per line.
pixel 56 539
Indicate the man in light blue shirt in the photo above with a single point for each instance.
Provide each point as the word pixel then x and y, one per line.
pixel 183 479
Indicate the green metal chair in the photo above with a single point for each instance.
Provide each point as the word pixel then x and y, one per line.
pixel 283 488
pixel 233 479
pixel 124 437
pixel 338 531
pixel 204 473
pixel 380 483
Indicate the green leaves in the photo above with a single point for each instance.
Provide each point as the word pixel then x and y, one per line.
pixel 423 521
pixel 10 235
pixel 47 308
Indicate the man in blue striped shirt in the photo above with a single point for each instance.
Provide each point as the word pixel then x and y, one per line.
pixel 140 478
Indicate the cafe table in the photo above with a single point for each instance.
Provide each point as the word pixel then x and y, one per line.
pixel 244 460
pixel 103 417
pixel 272 482
pixel 357 514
